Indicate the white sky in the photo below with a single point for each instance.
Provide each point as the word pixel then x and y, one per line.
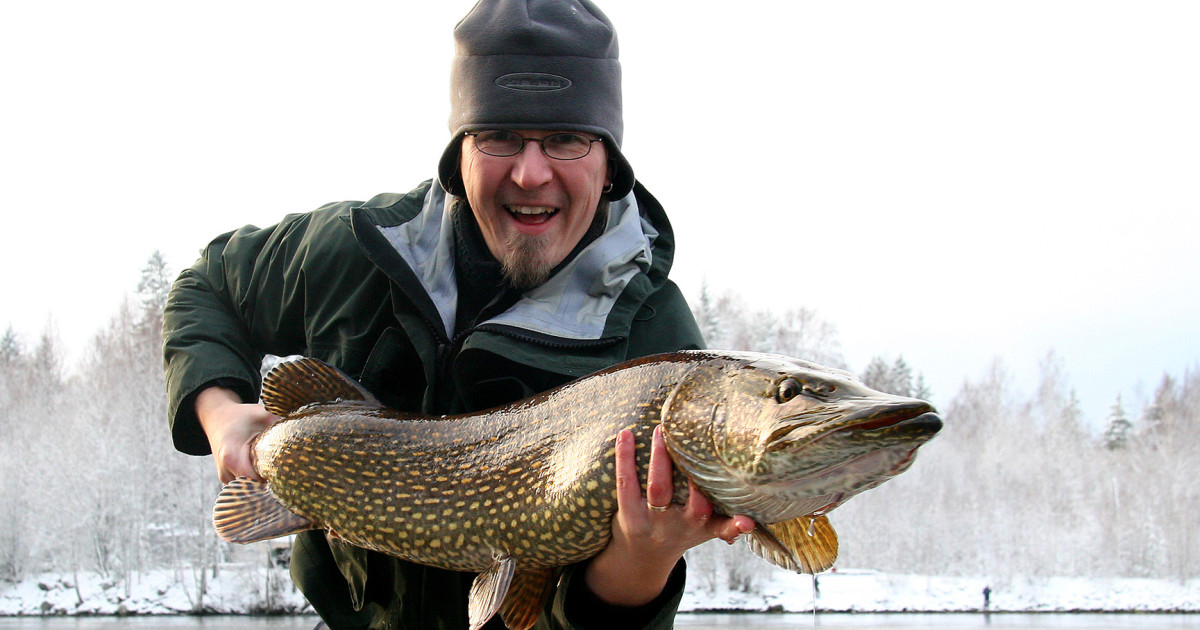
pixel 951 181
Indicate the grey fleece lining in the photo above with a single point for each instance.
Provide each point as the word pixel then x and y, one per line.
pixel 573 304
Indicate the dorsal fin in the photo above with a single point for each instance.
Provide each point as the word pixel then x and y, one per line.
pixel 294 384
pixel 803 545
pixel 247 511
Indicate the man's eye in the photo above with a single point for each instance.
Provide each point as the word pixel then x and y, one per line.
pixel 499 137
pixel 567 140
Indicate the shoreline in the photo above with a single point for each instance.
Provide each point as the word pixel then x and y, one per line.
pixel 698 611
pixel 259 591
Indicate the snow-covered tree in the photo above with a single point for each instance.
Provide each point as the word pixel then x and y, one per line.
pixel 10 348
pixel 901 378
pixel 1156 415
pixel 877 374
pixel 152 290
pixel 1117 427
pixel 895 378
pixel 921 389
pixel 707 315
pixel 728 323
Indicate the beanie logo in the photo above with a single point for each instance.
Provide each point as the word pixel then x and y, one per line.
pixel 533 82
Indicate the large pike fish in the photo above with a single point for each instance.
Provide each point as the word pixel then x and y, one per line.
pixel 518 492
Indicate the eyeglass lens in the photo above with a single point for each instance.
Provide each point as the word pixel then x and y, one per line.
pixel 560 146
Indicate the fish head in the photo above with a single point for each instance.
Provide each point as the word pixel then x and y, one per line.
pixel 777 438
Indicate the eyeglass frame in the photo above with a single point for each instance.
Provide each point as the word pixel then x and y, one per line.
pixel 540 141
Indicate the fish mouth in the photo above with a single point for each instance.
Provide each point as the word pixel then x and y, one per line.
pixel 928 421
pixel 912 419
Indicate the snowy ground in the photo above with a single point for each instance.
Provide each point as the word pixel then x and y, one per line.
pixel 236 590
pixel 252 590
pixel 868 591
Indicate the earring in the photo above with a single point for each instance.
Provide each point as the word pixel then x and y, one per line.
pixel 607 189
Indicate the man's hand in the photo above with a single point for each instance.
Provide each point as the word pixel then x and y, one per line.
pixel 647 543
pixel 230 426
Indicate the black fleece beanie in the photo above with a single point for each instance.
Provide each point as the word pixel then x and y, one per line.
pixel 536 64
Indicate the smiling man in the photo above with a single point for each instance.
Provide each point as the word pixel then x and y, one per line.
pixel 535 259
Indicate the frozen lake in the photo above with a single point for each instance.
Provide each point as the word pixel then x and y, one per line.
pixel 862 621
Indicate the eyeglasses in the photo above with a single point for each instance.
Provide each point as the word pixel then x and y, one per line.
pixel 559 146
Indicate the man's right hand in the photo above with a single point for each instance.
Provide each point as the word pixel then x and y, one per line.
pixel 231 426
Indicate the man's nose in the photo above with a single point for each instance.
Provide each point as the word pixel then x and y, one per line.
pixel 532 167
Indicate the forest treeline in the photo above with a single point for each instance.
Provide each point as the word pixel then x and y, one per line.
pixel 1014 486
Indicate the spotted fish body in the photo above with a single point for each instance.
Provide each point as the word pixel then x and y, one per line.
pixel 518 492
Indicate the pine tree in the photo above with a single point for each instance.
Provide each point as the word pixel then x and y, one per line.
pixel 921 388
pixel 896 378
pixel 10 348
pixel 1154 418
pixel 708 318
pixel 901 378
pixel 155 282
pixel 47 359
pixel 876 375
pixel 152 290
pixel 1116 435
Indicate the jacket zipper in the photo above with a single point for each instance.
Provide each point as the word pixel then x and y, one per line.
pixel 547 341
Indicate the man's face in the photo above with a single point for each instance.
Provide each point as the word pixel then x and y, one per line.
pixel 532 209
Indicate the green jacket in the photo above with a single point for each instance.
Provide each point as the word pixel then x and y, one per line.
pixel 369 288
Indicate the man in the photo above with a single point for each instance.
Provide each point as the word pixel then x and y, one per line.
pixel 536 259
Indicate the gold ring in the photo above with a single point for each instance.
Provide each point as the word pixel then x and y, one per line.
pixel 658 508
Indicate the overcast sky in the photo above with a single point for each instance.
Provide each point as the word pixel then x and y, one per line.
pixel 949 181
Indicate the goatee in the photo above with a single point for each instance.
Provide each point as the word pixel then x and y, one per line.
pixel 524 264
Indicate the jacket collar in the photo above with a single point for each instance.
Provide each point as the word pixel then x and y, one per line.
pixel 574 304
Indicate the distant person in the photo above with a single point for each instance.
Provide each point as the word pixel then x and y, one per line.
pixel 534 259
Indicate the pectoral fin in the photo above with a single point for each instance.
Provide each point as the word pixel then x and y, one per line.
pixel 527 597
pixel 488 590
pixel 803 545
pixel 247 511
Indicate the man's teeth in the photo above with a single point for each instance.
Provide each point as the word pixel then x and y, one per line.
pixel 530 209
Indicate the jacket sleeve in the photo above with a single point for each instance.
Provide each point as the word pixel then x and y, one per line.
pixel 576 608
pixel 206 333
pixel 245 297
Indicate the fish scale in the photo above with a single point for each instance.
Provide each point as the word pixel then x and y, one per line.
pixel 518 492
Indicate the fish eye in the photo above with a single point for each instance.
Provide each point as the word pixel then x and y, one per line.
pixel 788 389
